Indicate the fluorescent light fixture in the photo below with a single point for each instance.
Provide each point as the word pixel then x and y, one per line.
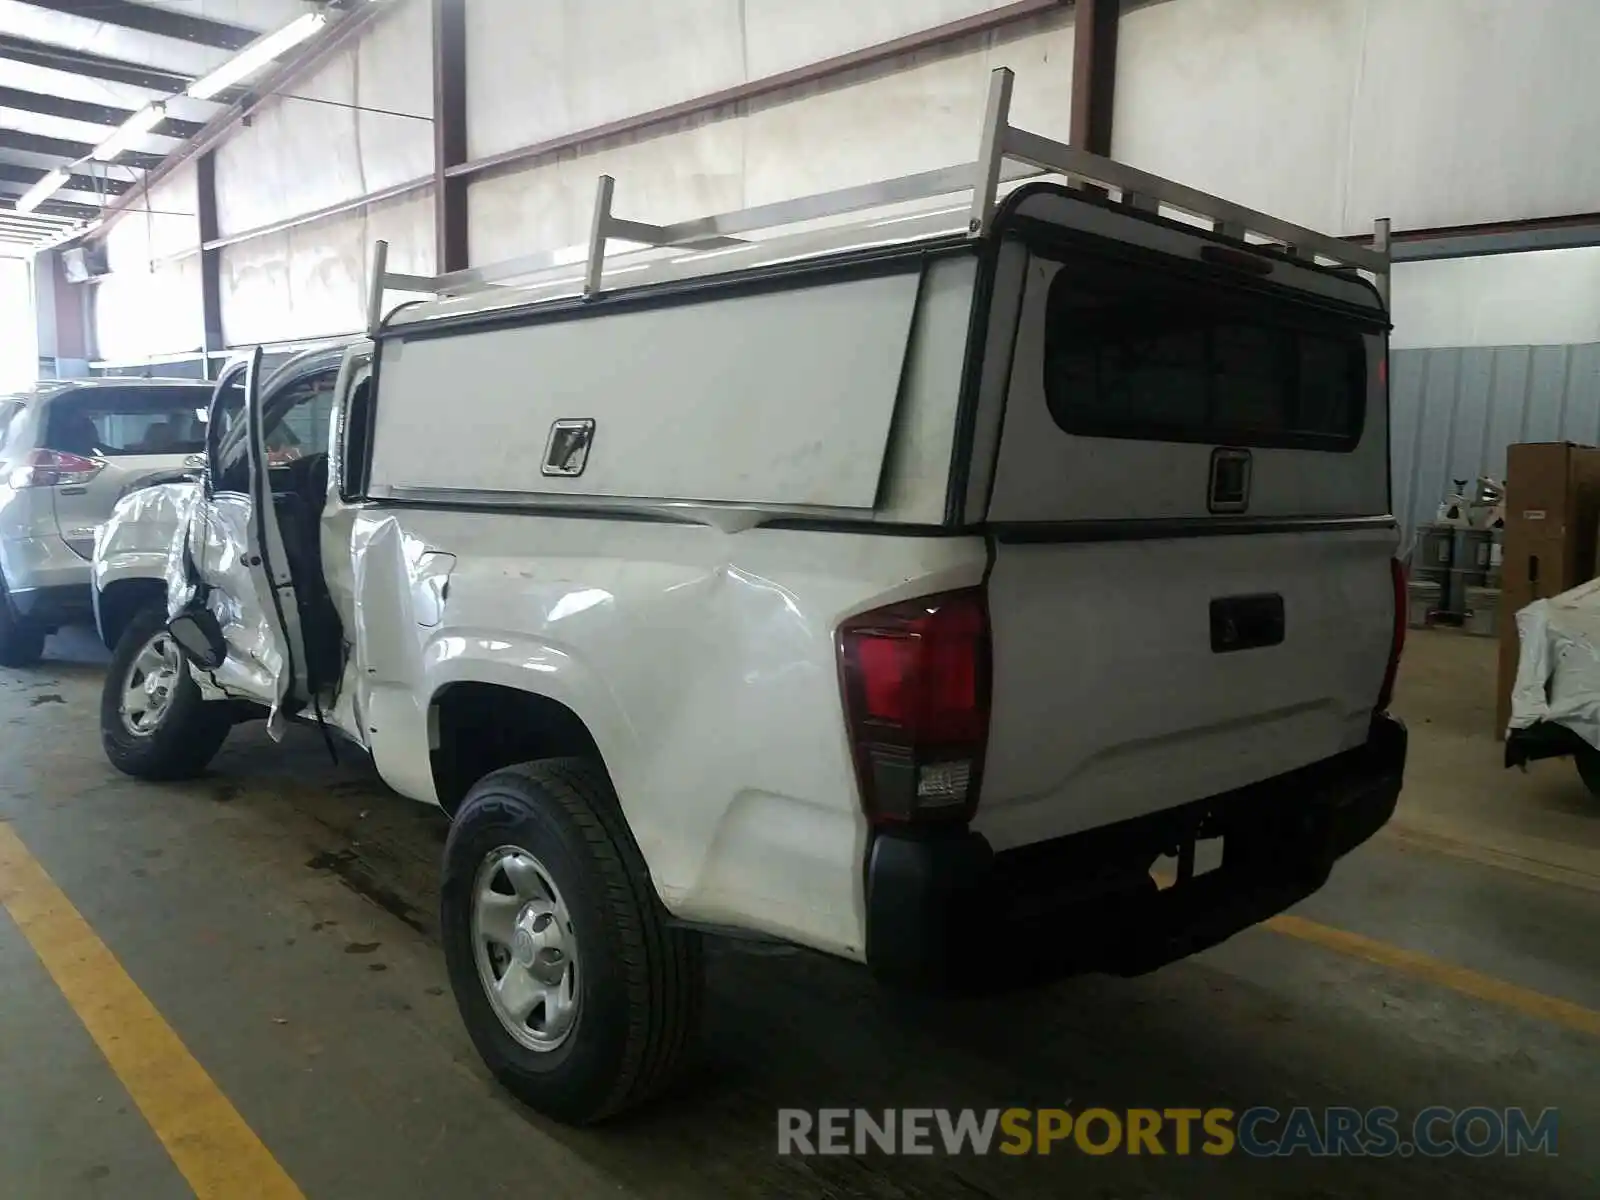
pixel 136 126
pixel 52 183
pixel 256 55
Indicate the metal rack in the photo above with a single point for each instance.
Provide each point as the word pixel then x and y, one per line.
pixel 1006 154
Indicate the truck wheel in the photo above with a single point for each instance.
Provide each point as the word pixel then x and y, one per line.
pixel 154 724
pixel 21 642
pixel 578 994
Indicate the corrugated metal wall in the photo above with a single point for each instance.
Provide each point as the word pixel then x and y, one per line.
pixel 1454 412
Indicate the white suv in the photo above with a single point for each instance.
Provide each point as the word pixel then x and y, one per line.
pixel 68 451
pixel 905 590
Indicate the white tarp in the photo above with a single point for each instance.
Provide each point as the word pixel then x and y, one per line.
pixel 1558 673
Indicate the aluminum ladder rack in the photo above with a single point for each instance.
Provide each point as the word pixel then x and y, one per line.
pixel 1006 154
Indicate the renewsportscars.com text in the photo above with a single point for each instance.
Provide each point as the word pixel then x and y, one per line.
pixel 1258 1132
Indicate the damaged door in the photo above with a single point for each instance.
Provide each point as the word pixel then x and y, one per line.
pixel 266 560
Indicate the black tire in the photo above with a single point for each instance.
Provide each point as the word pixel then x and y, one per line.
pixel 190 732
pixel 642 981
pixel 21 642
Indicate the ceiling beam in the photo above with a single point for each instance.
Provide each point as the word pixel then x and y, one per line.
pixel 24 229
pixel 93 184
pixel 340 34
pixel 160 21
pixel 68 151
pixel 92 114
pixel 55 208
pixel 93 66
pixel 76 205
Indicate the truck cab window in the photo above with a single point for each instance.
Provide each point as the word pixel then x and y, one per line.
pixel 297 419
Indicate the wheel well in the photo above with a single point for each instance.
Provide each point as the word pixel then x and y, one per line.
pixel 120 600
pixel 485 726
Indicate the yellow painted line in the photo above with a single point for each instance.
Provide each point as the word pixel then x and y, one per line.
pixel 1442 974
pixel 1411 837
pixel 1458 979
pixel 207 1139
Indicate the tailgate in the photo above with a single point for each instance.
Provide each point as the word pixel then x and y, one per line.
pixel 1191 588
pixel 1117 691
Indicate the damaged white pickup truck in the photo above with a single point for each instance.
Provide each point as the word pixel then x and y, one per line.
pixel 903 588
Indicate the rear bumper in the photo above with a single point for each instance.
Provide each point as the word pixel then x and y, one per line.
pixel 946 911
pixel 43 564
pixel 60 605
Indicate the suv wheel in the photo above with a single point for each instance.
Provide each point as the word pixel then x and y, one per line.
pixel 154 724
pixel 21 642
pixel 577 992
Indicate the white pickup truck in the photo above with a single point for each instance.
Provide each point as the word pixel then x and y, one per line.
pixel 906 587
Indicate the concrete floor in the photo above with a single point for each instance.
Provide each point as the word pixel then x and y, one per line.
pixel 279 915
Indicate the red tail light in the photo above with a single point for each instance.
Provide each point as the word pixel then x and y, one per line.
pixel 1397 640
pixel 48 468
pixel 916 697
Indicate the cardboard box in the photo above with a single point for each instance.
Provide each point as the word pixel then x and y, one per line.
pixel 1552 517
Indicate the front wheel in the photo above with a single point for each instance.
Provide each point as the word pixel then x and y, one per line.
pixel 154 723
pixel 577 992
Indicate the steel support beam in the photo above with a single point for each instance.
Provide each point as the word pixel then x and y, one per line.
pixel 94 185
pixel 452 248
pixel 56 208
pixel 91 114
pixel 1522 236
pixel 210 262
pixel 1094 73
pixel 163 22
pixel 95 66
pixel 67 151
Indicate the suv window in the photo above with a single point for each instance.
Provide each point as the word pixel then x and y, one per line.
pixel 1133 353
pixel 10 410
pixel 112 422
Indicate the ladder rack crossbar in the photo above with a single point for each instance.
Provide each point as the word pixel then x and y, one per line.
pixel 1006 154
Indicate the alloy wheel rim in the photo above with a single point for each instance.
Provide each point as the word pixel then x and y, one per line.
pixel 150 684
pixel 525 948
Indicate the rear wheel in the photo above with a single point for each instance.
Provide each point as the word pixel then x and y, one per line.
pixel 578 994
pixel 21 641
pixel 154 724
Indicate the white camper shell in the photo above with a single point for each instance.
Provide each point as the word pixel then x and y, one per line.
pixel 900 572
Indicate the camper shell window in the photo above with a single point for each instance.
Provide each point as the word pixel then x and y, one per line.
pixel 1132 351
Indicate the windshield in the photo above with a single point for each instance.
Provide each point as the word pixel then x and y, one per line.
pixel 114 422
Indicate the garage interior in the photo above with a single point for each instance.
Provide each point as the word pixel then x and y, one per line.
pixel 272 928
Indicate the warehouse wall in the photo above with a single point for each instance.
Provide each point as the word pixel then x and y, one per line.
pixel 1334 112
pixel 150 303
pixel 1456 409
pixel 1551 297
pixel 1330 112
pixel 554 67
pixel 299 156
pixel 1487 352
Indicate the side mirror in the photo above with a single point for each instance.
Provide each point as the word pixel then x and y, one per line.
pixel 199 634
